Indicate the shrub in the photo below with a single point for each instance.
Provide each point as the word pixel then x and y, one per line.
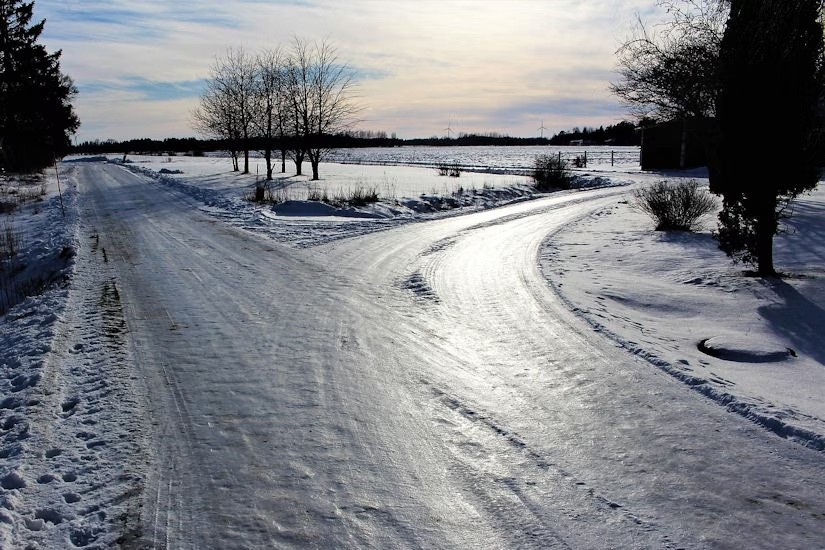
pixel 452 170
pixel 315 194
pixel 266 193
pixel 551 172
pixel 10 241
pixel 258 194
pixel 674 207
pixel 10 246
pixel 359 196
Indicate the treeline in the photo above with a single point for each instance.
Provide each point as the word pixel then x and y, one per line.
pixel 148 146
pixel 198 147
pixel 491 138
pixel 623 133
pixel 348 140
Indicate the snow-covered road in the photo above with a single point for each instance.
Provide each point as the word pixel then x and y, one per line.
pixel 416 387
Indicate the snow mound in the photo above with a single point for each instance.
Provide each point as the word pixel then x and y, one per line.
pixel 315 208
pixel 746 349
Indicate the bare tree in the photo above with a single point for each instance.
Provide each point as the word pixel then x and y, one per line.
pixel 294 102
pixel 270 105
pixel 322 97
pixel 673 73
pixel 297 75
pixel 215 117
pixel 237 75
pixel 226 108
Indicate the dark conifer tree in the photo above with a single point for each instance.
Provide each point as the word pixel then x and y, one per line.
pixel 770 87
pixel 36 115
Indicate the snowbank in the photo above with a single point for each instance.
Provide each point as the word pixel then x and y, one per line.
pixel 745 349
pixel 72 451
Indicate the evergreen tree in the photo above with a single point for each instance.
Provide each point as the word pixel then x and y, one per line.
pixel 36 115
pixel 770 87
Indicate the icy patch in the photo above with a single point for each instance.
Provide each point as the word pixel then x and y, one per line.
pixel 421 289
pixel 745 349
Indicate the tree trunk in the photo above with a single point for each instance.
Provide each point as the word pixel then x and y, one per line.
pixel 766 227
pixel 765 245
pixel 268 157
pixel 246 161
pixel 283 161
pixel 314 161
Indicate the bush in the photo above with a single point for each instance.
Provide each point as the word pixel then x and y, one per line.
pixel 675 207
pixel 10 246
pixel 551 172
pixel 265 193
pixel 315 194
pixel 452 170
pixel 359 196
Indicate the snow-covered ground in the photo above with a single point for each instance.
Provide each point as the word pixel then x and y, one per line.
pixel 405 194
pixel 666 295
pixel 74 442
pixel 492 159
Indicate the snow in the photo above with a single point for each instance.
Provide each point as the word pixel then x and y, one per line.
pixel 753 345
pixel 745 349
pixel 406 193
pixel 71 427
pixel 79 425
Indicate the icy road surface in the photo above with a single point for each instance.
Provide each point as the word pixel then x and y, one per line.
pixel 417 387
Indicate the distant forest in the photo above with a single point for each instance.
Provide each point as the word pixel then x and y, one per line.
pixel 623 133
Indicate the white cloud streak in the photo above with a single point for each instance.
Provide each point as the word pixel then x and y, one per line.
pixel 487 65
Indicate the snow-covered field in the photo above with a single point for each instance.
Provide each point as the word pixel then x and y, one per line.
pixel 510 159
pixel 73 438
pixel 405 194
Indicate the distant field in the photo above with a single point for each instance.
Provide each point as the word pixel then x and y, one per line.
pixel 514 160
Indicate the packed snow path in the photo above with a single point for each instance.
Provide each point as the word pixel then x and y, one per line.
pixel 417 387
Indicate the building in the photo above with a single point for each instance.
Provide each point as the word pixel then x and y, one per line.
pixel 673 145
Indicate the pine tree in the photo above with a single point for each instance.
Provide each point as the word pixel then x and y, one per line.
pixel 770 89
pixel 36 115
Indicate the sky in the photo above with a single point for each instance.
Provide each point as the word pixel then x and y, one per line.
pixel 422 66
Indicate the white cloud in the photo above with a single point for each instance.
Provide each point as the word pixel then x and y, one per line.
pixel 428 60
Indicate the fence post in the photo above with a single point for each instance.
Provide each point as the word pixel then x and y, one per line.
pixel 585 159
pixel 611 158
pixel 559 158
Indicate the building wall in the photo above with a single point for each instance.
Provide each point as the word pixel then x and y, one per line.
pixel 672 145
